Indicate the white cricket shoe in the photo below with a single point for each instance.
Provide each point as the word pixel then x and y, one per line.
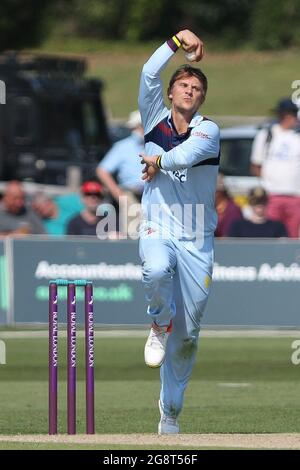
pixel 155 347
pixel 167 424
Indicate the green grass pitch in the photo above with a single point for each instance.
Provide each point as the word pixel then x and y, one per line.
pixel 239 385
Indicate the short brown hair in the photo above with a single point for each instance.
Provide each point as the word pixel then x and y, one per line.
pixel 257 196
pixel 188 71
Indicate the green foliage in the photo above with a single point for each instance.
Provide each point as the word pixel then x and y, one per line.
pixel 97 18
pixel 120 19
pixel 228 23
pixel 276 24
pixel 135 20
pixel 22 24
pixel 144 20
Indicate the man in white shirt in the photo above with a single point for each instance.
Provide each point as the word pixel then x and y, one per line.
pixel 276 158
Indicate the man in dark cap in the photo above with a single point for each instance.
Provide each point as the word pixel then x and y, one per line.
pixel 86 222
pixel 276 158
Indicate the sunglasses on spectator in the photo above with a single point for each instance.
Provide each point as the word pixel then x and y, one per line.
pixel 92 194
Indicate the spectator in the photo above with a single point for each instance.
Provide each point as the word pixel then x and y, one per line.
pixel 226 208
pixel 86 222
pixel 56 213
pixel 15 217
pixel 258 225
pixel 276 158
pixel 123 160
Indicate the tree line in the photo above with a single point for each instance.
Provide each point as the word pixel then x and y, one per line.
pixel 262 24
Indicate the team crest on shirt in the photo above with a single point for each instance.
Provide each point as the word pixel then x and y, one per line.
pixel 180 175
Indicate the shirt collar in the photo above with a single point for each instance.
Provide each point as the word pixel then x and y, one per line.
pixel 197 118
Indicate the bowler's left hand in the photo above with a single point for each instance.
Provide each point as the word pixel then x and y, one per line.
pixel 150 170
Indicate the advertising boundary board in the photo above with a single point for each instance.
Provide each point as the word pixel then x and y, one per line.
pixel 255 283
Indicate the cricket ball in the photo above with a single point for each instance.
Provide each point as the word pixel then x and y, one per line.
pixel 190 56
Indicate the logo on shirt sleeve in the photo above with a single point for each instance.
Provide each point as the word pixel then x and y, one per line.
pixel 200 134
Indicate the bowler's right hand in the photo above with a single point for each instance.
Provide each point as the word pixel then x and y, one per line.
pixel 190 42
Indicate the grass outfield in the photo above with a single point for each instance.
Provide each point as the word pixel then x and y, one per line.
pixel 111 447
pixel 245 83
pixel 239 385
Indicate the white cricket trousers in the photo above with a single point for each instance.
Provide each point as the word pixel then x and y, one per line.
pixel 176 278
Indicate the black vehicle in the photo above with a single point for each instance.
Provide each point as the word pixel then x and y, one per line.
pixel 53 120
